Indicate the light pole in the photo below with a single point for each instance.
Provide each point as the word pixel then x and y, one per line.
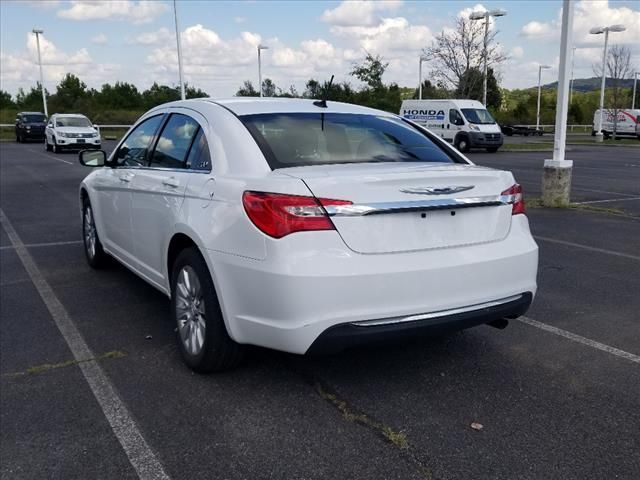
pixel 540 68
pixel 556 179
pixel 573 55
pixel 44 97
pixel 260 47
pixel 486 16
pixel 598 31
pixel 423 58
pixel 633 98
pixel 175 17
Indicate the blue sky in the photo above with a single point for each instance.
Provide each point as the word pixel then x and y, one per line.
pixel 134 41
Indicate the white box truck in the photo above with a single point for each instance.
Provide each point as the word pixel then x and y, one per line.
pixel 626 125
pixel 465 123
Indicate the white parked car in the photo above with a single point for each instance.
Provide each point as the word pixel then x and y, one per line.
pixel 70 131
pixel 306 227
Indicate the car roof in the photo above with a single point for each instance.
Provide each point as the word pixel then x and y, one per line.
pixel 75 115
pixel 255 105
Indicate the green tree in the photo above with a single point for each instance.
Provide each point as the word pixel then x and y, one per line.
pixel 159 94
pixel 5 100
pixel 471 86
pixel 247 90
pixel 192 92
pixel 32 100
pixel 69 94
pixel 269 88
pixel 370 71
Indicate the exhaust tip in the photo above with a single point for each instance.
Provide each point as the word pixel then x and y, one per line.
pixel 500 324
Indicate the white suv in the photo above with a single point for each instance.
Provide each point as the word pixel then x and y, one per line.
pixel 70 131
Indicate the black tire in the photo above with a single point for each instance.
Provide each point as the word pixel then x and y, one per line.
pixel 218 352
pixel 18 138
pixel 96 256
pixel 54 146
pixel 47 147
pixel 593 133
pixel 462 144
pixel 492 149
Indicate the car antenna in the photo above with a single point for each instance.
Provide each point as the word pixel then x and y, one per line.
pixel 323 103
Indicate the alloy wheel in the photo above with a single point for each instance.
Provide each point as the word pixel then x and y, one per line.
pixel 190 310
pixel 90 234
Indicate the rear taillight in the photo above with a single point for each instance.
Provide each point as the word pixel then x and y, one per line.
pixel 516 198
pixel 278 215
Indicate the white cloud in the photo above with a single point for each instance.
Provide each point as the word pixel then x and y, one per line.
pixel 352 13
pixel 588 14
pixel 100 39
pixel 517 52
pixel 20 69
pixel 142 11
pixel 159 37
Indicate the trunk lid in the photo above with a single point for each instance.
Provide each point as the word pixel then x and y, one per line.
pixel 401 207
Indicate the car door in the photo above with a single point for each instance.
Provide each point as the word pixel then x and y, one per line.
pixel 113 186
pixel 158 192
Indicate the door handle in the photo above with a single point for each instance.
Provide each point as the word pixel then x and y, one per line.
pixel 171 182
pixel 448 125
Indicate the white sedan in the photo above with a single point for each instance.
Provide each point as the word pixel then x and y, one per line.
pixel 306 227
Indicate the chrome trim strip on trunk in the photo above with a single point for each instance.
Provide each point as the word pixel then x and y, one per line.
pixel 441 313
pixel 359 210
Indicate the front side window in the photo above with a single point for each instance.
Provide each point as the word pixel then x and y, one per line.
pixel 174 142
pixel 302 139
pixel 478 116
pixel 72 122
pixel 199 156
pixel 133 151
pixel 455 117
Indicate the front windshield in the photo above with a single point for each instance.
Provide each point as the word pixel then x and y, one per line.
pixel 34 118
pixel 478 116
pixel 73 122
pixel 302 139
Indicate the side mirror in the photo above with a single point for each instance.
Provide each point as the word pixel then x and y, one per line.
pixel 50 125
pixel 93 158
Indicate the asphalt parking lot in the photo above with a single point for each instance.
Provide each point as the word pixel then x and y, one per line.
pixel 557 394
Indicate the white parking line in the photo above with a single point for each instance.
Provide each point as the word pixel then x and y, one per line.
pixel 125 429
pixel 50 244
pixel 587 247
pixel 606 201
pixel 579 339
pixel 50 156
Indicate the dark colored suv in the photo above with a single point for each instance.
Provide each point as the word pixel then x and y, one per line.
pixel 30 126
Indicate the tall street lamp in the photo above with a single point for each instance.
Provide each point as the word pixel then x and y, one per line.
pixel 633 99
pixel 44 97
pixel 540 68
pixel 598 31
pixel 260 47
pixel 486 16
pixel 423 58
pixel 573 55
pixel 175 17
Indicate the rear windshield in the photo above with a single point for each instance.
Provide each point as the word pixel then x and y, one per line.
pixel 34 118
pixel 303 139
pixel 478 116
pixel 72 122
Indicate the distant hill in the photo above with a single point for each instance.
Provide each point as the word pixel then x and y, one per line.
pixel 590 84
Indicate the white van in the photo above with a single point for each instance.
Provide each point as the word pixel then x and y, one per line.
pixel 465 123
pixel 627 120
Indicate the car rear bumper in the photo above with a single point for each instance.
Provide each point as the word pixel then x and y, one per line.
pixel 340 337
pixel 311 282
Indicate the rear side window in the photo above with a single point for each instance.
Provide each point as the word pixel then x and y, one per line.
pixel 302 139
pixel 174 142
pixel 133 151
pixel 199 157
